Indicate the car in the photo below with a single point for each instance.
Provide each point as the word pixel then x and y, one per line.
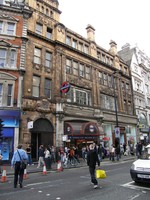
pixel 140 171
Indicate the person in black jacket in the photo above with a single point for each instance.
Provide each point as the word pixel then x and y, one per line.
pixel 92 160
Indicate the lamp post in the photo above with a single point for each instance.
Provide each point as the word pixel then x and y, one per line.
pixel 117 129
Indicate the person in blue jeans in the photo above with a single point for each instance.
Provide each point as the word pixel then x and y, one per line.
pixel 92 160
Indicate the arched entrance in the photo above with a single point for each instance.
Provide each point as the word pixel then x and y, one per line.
pixel 42 133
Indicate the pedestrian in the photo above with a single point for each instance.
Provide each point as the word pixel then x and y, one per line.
pixel 28 150
pixel 18 155
pixel 117 152
pixel 100 152
pixel 92 160
pixel 41 156
pixel 47 158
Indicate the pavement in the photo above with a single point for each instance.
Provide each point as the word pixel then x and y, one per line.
pixel 33 168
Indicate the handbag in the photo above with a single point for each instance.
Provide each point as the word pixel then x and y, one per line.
pixel 100 173
pixel 22 162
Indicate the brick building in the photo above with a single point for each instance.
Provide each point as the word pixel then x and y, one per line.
pixel 13 26
pixel 71 85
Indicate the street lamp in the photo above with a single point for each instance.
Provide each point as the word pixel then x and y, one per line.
pixel 117 128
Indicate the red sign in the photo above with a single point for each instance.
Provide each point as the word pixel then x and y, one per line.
pixel 65 87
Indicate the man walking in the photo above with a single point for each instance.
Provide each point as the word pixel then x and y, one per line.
pixel 18 155
pixel 92 159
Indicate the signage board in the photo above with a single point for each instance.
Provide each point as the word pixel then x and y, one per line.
pixel 30 124
pixel 117 132
pixel 65 87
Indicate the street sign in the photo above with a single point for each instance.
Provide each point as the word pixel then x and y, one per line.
pixel 65 87
pixel 30 124
pixel 117 132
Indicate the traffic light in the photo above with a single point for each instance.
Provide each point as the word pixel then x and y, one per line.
pixel 1 127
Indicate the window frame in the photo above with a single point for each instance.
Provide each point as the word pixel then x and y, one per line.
pixel 36 86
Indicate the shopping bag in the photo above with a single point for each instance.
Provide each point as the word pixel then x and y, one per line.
pixel 100 173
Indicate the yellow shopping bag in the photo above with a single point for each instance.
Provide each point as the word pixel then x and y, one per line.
pixel 100 173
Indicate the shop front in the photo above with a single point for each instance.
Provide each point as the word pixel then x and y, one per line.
pixel 10 132
pixel 81 133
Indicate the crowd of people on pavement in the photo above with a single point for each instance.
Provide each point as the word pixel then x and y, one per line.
pixel 92 154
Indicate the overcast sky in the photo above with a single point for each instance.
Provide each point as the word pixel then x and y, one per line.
pixel 124 21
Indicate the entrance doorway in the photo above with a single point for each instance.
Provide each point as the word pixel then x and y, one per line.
pixel 42 133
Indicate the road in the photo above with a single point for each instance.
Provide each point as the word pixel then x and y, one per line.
pixel 74 184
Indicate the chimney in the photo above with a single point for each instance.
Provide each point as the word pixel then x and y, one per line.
pixel 90 33
pixel 113 47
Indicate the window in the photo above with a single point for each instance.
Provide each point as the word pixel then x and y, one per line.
pixel 80 47
pixel 9 94
pixel 81 70
pixel 105 79
pixel 122 85
pixel 107 102
pixel 100 76
pixel 148 101
pixel 125 105
pixel 8 58
pixel 74 44
pixel 7 28
pixel 87 73
pixel 13 58
pixel 86 49
pixel 37 55
pixel 99 55
pixel 81 97
pixel 49 33
pixel 103 57
pixel 110 81
pixel 39 28
pixel 75 68
pixel 36 86
pixel 47 12
pixel 68 66
pixel 68 40
pixel 129 108
pixel 147 89
pixel 3 53
pixel 48 60
pixel 6 93
pixel 47 88
pixel 10 28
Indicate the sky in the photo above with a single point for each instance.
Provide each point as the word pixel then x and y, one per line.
pixel 123 21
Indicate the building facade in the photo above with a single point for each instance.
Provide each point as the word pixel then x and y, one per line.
pixel 74 91
pixel 139 64
pixel 13 26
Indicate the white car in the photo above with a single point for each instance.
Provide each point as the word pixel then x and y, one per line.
pixel 140 171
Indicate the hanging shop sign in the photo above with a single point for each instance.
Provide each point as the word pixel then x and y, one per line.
pixel 65 87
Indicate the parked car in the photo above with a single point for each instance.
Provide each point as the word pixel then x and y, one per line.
pixel 140 171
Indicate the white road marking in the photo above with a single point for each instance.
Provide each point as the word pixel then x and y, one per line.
pixel 132 185
pixel 133 197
